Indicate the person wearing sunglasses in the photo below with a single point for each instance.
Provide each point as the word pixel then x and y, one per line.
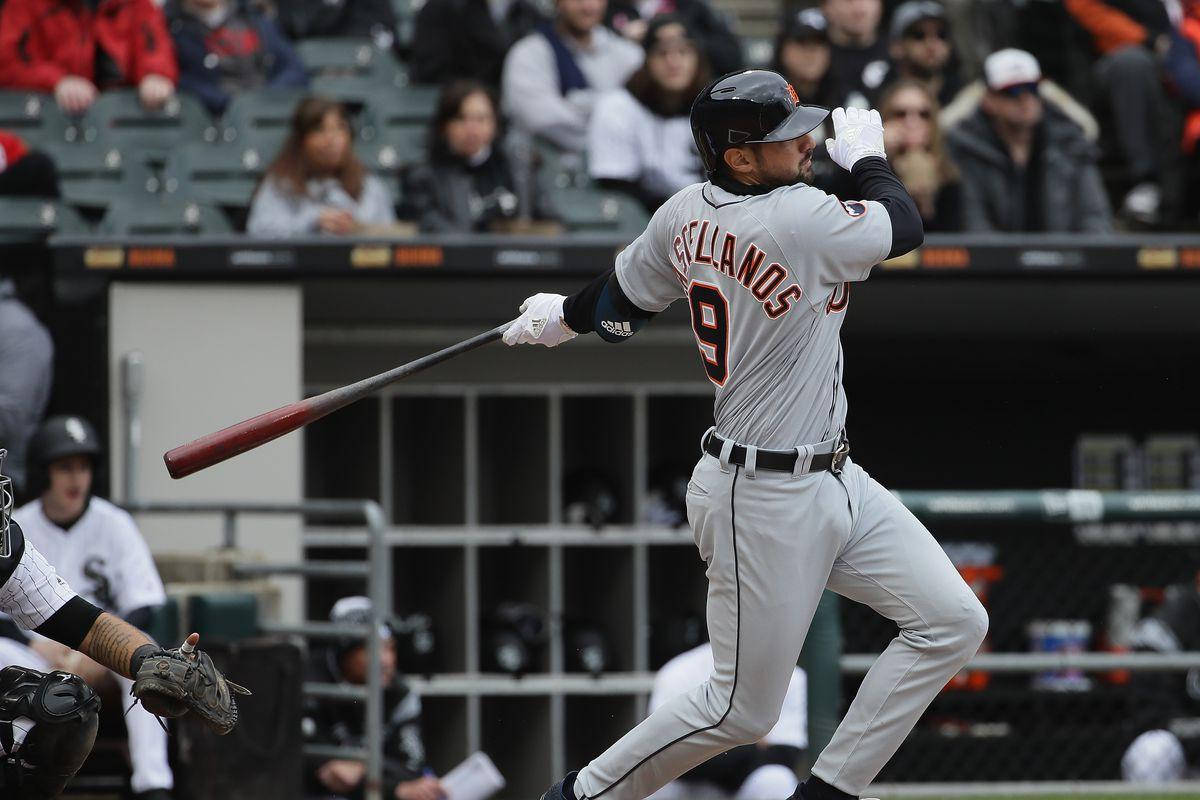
pixel 1025 165
pixel 920 49
pixel 918 154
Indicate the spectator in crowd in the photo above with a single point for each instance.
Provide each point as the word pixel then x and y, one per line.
pixel 641 136
pixel 26 372
pixel 405 775
pixel 858 53
pixel 710 28
pixel 25 172
pixel 317 184
pixel 919 44
pixel 1131 40
pixel 917 153
pixel 467 183
pixel 307 19
pixel 765 769
pixel 224 49
pixel 553 77
pixel 468 38
pixel 1025 165
pixel 77 49
pixel 802 55
pixel 1183 67
pixel 97 549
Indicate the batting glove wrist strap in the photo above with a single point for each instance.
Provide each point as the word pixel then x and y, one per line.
pixel 857 134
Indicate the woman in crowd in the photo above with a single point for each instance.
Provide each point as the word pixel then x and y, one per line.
pixel 802 55
pixel 640 140
pixel 467 184
pixel 918 155
pixel 317 184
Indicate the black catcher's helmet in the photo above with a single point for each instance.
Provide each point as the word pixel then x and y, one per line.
pixel 754 105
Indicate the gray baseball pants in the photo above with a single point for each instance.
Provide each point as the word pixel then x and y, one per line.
pixel 772 542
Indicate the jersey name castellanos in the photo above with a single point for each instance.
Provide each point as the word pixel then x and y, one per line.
pixel 767 280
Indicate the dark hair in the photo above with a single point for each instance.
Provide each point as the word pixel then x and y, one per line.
pixel 647 92
pixel 449 107
pixel 291 168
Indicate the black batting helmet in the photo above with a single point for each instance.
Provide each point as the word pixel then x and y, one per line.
pixel 754 105
pixel 59 437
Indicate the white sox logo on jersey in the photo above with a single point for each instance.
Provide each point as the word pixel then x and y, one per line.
pixel 697 243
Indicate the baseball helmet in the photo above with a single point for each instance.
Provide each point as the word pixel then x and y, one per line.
pixel 59 437
pixel 747 107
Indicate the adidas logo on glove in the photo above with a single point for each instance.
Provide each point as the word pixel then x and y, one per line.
pixel 617 328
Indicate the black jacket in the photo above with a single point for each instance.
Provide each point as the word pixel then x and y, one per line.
pixel 447 194
pixel 309 18
pixel 720 44
pixel 459 39
pixel 1162 699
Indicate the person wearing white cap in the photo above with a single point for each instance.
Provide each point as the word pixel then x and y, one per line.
pixel 1025 165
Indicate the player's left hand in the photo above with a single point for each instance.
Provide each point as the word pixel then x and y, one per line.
pixel 170 683
pixel 541 322
pixel 857 133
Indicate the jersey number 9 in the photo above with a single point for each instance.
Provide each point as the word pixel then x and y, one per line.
pixel 710 323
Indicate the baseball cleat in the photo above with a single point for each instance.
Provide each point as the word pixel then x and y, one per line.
pixel 563 790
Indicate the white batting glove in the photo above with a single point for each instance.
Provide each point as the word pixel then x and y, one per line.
pixel 541 322
pixel 857 133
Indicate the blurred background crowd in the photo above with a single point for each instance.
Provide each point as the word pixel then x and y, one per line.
pixel 403 116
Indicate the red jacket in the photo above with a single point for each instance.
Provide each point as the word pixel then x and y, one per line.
pixel 12 149
pixel 43 41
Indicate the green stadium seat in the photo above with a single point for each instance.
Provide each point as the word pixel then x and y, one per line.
pixel 223 615
pixel 168 216
pixel 34 117
pixel 587 210
pixel 388 149
pixel 349 57
pixel 31 218
pixel 118 116
pixel 224 175
pixel 163 625
pixel 259 113
pixel 359 92
pixel 94 175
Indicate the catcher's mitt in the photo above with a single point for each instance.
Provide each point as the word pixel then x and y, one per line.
pixel 171 683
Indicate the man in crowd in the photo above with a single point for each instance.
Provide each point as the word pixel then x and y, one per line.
pixel 77 49
pixel 26 371
pixel 97 549
pixel 919 45
pixel 553 76
pixel 1025 165
pixel 710 27
pixel 405 773
pixel 858 53
pixel 224 49
pixel 306 19
pixel 468 38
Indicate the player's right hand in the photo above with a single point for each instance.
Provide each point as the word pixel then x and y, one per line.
pixel 857 133
pixel 541 322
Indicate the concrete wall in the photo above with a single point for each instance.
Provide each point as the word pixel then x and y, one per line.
pixel 213 355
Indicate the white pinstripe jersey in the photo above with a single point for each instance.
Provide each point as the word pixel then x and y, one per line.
pixel 767 279
pixel 31 591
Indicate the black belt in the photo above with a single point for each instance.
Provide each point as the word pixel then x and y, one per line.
pixel 781 460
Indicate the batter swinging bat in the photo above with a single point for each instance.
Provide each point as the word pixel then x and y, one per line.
pixel 249 434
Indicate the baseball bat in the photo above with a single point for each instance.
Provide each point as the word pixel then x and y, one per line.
pixel 249 434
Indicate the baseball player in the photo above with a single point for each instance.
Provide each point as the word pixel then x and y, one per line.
pixel 48 720
pixel 97 549
pixel 778 509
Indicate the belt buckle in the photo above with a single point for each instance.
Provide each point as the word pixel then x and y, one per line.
pixel 840 454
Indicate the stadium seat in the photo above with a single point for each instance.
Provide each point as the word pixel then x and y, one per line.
pixel 25 218
pixel 34 117
pixel 223 175
pixel 260 113
pixel 411 102
pixel 587 210
pixel 406 22
pixel 94 175
pixel 349 57
pixel 389 148
pixel 118 116
pixel 162 217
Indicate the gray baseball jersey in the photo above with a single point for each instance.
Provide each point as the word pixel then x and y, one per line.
pixel 767 278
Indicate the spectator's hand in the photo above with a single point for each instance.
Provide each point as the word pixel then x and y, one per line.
pixel 420 789
pixel 154 91
pixel 341 775
pixel 336 220
pixel 74 94
pixel 857 133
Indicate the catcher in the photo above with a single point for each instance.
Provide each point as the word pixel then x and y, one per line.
pixel 48 720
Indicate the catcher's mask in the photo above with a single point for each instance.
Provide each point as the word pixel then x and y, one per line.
pixel 6 507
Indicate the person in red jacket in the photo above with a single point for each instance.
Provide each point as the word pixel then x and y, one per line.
pixel 77 48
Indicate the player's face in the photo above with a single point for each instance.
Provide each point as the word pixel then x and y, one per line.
pixel 70 484
pixel 579 17
pixel 784 163
pixel 474 128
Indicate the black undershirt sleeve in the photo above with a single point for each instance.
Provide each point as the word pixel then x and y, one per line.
pixel 71 623
pixel 579 310
pixel 874 179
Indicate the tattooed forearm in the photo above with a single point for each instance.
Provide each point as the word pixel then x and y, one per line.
pixel 112 642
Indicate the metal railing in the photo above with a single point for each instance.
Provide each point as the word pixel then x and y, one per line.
pixel 376 570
